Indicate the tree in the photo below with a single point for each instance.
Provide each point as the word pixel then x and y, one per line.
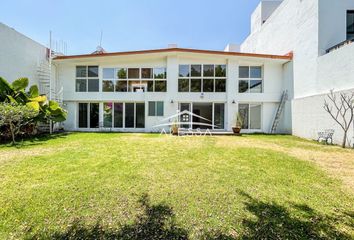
pixel 341 110
pixel 16 116
pixel 15 93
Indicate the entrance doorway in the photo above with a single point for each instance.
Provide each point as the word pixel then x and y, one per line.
pixel 204 110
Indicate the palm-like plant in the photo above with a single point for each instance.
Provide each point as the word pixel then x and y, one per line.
pixel 15 93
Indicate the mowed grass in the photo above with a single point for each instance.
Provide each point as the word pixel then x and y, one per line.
pixel 147 186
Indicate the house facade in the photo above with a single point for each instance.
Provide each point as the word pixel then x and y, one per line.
pixel 135 91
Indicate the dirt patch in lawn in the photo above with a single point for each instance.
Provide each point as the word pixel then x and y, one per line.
pixel 338 162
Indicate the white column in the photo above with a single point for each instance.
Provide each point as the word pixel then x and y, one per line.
pixel 232 90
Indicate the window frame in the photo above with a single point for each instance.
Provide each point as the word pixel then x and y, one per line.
pixel 349 32
pixel 88 109
pixel 189 77
pixel 87 78
pixel 249 79
pixel 139 81
pixel 155 110
pixel 249 115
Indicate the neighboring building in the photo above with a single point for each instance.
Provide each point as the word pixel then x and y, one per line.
pixel 20 56
pixel 134 91
pixel 320 33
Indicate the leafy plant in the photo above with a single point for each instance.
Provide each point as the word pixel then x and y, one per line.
pixel 15 93
pixel 239 120
pixel 16 116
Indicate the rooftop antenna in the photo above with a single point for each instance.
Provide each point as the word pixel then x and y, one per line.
pixel 101 39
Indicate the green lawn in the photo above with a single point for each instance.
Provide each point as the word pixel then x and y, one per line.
pixel 147 186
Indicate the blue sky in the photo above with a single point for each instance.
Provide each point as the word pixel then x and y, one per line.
pixel 131 24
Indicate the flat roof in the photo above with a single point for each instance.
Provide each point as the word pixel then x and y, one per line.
pixel 288 56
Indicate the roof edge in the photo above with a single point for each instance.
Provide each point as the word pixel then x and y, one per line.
pixel 187 50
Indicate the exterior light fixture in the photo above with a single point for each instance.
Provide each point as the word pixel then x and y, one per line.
pixel 202 95
pixel 171 101
pixel 233 101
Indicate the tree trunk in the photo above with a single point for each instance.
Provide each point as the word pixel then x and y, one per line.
pixel 12 134
pixel 344 143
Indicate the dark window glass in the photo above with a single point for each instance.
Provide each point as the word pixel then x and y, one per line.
pixel 185 117
pixel 150 86
pixel 94 115
pixel 92 71
pixel 118 115
pixel 196 85
pixel 133 73
pixel 243 109
pixel 159 109
pixel 107 86
pixel 152 109
pixel 160 73
pixel 107 114
pixel 129 115
pixel 208 70
pixel 93 85
pixel 196 70
pixel 183 71
pixel 255 86
pixel 160 86
pixel 350 25
pixel 220 85
pixel 242 86
pixel 140 115
pixel 122 73
pixel 208 85
pixel 256 72
pixel 244 72
pixel 220 70
pixel 219 115
pixel 183 85
pixel 121 86
pixel 108 73
pixel 81 85
pixel 81 71
pixel 83 115
pixel 146 73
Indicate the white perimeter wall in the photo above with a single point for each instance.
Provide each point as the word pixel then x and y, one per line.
pixel 309 28
pixel 20 56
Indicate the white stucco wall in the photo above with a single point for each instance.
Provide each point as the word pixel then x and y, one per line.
pixel 309 28
pixel 20 56
pixel 274 84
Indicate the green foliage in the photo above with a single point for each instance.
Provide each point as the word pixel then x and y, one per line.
pixel 15 93
pixel 239 120
pixel 15 116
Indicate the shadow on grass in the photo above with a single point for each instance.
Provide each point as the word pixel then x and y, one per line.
pixel 274 221
pixel 33 141
pixel 156 222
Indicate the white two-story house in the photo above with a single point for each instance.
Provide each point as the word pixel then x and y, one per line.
pixel 136 91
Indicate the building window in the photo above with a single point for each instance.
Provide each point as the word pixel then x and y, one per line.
pixel 250 79
pixel 88 115
pixel 202 78
pixel 134 80
pixel 350 25
pixel 87 79
pixel 155 108
pixel 251 116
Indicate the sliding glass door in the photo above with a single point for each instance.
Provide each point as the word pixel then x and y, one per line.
pixel 88 115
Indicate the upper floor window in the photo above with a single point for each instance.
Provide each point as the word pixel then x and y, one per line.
pixel 350 25
pixel 250 79
pixel 87 79
pixel 134 80
pixel 202 78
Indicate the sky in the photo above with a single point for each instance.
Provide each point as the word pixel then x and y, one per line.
pixel 131 24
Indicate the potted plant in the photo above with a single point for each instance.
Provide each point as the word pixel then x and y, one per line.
pixel 238 124
pixel 174 127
